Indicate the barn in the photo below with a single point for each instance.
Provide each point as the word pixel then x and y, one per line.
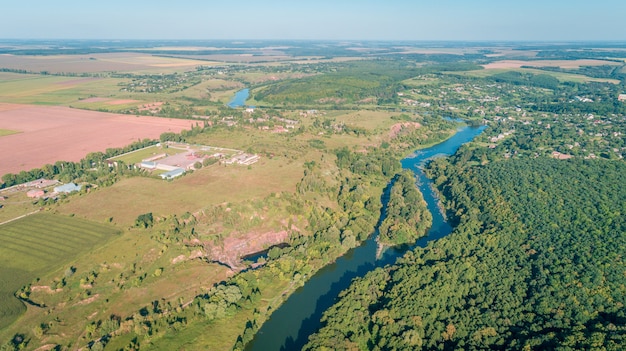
pixel 67 188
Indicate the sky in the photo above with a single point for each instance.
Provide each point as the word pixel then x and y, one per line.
pixel 464 20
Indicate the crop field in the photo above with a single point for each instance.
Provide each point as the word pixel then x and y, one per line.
pixel 119 62
pixel 35 244
pixel 54 90
pixel 53 133
pixel 4 132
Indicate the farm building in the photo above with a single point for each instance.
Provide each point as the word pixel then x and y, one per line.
pixel 35 193
pixel 148 165
pixel 67 188
pixel 243 159
pixel 173 174
pixel 42 183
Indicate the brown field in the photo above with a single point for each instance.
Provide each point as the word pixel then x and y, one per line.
pixel 50 134
pixel 96 62
pixel 566 64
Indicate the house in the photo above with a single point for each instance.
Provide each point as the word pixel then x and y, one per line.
pixel 67 188
pixel 172 174
pixel 42 183
pixel 35 193
pixel 621 97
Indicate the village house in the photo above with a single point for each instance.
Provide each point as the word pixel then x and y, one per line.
pixel 35 193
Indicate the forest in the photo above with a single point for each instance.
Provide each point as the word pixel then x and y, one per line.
pixel 535 262
pixel 406 216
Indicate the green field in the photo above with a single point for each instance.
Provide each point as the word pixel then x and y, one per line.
pixel 55 90
pixel 34 245
pixel 563 77
pixel 4 132
pixel 139 155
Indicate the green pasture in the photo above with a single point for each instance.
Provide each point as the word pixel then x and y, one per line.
pixel 55 90
pixel 37 244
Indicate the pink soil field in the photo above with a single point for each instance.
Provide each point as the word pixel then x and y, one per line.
pixel 121 102
pixel 54 133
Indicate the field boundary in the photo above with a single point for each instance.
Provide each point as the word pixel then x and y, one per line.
pixel 19 217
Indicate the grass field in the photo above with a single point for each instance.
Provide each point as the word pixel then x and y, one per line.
pixel 209 186
pixel 139 155
pixel 33 245
pixel 54 90
pixel 4 132
pixel 563 77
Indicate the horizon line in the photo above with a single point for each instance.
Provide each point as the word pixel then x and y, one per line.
pixel 553 41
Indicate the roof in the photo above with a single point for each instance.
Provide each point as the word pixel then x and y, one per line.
pixel 173 173
pixel 67 188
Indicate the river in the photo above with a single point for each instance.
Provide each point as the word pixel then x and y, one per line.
pixel 289 327
pixel 239 100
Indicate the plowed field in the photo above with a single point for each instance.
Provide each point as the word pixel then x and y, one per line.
pixel 51 133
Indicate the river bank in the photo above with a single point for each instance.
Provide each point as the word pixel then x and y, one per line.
pixel 299 316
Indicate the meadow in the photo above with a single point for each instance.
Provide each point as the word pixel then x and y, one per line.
pixel 561 76
pixel 212 185
pixel 33 245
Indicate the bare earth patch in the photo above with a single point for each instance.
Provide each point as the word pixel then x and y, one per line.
pixel 54 133
pixel 94 99
pixel 397 128
pixel 233 249
pixel 46 347
pixel 89 300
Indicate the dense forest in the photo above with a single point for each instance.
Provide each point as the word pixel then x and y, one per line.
pixel 536 262
pixel 406 216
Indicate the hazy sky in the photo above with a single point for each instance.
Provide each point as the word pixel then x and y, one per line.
pixel 319 19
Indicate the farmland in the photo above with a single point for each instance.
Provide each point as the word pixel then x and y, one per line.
pixel 4 132
pixel 329 131
pixel 33 245
pixel 50 134
pixel 108 62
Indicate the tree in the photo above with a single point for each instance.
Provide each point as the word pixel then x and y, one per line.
pixel 145 220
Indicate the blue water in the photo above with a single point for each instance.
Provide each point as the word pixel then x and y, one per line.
pixel 289 327
pixel 239 100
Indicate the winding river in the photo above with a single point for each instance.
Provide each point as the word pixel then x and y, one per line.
pixel 289 327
